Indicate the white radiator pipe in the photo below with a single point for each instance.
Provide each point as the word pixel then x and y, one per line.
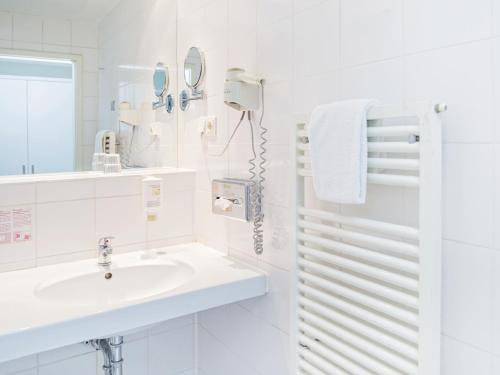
pixel 388 229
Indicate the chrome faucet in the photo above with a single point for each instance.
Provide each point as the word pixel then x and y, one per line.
pixel 104 251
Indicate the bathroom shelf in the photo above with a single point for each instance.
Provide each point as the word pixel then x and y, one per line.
pixel 32 322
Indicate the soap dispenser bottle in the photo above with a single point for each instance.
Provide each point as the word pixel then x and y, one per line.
pixel 152 193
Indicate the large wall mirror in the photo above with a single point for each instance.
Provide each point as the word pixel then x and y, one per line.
pixel 39 112
pixel 74 85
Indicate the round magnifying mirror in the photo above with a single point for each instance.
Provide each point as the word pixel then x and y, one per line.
pixel 193 68
pixel 160 79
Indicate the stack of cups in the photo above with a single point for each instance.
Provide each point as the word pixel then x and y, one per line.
pixel 112 163
pixel 98 161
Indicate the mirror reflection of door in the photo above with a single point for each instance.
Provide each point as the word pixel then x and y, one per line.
pixel 37 115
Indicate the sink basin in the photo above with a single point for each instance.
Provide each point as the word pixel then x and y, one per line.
pixel 52 306
pixel 117 285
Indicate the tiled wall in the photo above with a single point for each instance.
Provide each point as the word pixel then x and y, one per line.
pixel 153 351
pixel 133 38
pixel 250 337
pixel 68 217
pixel 34 33
pixel 314 52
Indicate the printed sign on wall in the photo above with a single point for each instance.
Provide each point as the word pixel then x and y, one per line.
pixel 16 225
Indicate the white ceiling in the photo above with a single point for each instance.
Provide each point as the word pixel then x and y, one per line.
pixel 85 9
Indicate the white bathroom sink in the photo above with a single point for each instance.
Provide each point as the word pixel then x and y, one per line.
pixel 115 285
pixel 52 306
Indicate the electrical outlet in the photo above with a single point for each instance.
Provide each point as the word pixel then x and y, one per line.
pixel 155 129
pixel 210 127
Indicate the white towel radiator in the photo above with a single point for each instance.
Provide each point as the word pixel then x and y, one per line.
pixel 368 291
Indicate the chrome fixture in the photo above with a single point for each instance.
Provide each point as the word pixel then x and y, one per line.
pixel 105 250
pixel 194 71
pixel 161 81
pixel 111 353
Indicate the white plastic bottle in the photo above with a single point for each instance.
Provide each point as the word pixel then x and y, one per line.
pixel 152 195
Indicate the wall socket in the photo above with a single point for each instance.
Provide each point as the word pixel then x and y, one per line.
pixel 209 126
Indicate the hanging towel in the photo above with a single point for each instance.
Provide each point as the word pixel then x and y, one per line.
pixel 339 150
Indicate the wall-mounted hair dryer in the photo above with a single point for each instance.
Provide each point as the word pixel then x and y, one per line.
pixel 242 92
pixel 231 197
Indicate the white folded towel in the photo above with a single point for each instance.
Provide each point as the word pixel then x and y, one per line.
pixel 339 151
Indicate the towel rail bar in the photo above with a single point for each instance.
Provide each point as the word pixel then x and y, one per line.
pixel 367 293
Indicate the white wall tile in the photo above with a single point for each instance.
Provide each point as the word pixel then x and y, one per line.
pixel 274 51
pixel 56 31
pixel 496 86
pixel 275 306
pixel 89 109
pixel 112 186
pixel 277 119
pixel 90 87
pixel 84 34
pixel 371 30
pixel 65 227
pixel 216 359
pixel 173 225
pixel 81 365
pixel 468 193
pixel 23 365
pixel 30 46
pixel 242 39
pixel 64 190
pixel 12 194
pixel 312 91
pixel 63 353
pixel 426 28
pixel 240 330
pixel 122 218
pixel 172 352
pixel 317 39
pixel 269 12
pixel 89 133
pixel 27 28
pixel 496 17
pixel 468 312
pixel 135 356
pixel 27 372
pixel 5 43
pixel 90 58
pixel 462 77
pixel 5 25
pixel 382 81
pixel 462 359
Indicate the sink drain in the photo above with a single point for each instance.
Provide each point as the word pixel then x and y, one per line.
pixel 108 275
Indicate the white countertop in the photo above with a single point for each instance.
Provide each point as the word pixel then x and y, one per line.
pixel 31 325
pixel 89 175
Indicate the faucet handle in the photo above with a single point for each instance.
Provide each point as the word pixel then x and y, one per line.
pixel 105 242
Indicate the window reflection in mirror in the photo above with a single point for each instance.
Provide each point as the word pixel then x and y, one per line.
pixel 38 122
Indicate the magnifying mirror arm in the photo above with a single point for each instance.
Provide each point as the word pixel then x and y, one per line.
pixel 164 101
pixel 197 95
pixel 185 99
pixel 160 103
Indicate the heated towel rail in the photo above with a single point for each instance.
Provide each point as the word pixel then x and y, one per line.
pixel 368 291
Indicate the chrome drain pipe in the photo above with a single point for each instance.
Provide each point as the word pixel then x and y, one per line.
pixel 116 343
pixel 111 354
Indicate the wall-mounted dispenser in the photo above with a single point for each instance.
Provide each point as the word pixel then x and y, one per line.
pixel 194 71
pixel 161 82
pixel 152 195
pixel 231 197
